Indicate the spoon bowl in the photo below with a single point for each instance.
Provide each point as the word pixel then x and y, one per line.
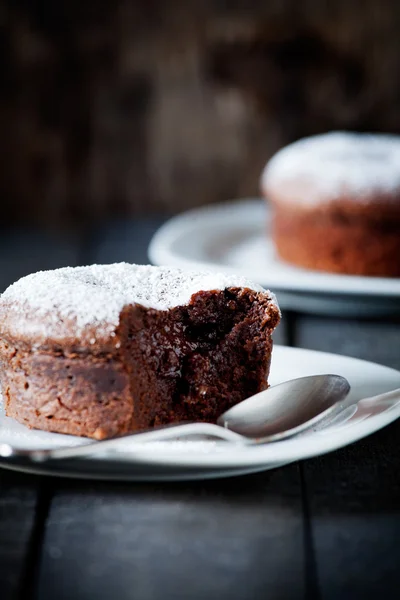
pixel 286 409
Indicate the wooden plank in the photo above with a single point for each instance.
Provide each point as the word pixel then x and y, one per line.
pixel 352 496
pixel 18 504
pixel 236 538
pixel 353 501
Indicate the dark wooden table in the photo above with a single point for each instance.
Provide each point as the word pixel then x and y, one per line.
pixel 323 528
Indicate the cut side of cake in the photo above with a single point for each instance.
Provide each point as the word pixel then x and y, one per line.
pixel 107 349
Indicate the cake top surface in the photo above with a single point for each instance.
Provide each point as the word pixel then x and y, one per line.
pixel 335 164
pixel 92 297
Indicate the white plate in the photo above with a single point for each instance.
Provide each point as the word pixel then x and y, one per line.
pixel 234 237
pixel 202 459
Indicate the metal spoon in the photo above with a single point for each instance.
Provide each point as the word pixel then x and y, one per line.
pixel 276 413
pixel 287 409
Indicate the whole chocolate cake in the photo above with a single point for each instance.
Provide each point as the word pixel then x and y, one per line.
pixel 107 349
pixel 336 203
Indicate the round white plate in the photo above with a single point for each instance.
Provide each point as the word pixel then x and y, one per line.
pixel 355 419
pixel 235 237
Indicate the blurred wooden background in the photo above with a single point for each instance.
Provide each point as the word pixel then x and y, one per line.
pixel 113 107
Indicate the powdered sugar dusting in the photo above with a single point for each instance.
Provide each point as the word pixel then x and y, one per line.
pixel 93 296
pixel 336 163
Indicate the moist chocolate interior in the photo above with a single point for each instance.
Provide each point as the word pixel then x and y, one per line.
pixel 193 362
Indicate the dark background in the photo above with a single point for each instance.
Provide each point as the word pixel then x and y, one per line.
pixel 113 108
pixel 113 114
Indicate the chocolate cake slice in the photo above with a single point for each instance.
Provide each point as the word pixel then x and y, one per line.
pixel 107 349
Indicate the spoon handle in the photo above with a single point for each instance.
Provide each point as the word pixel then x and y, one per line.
pixel 165 432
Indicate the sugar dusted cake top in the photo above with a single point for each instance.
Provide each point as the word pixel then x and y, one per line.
pixel 329 165
pixel 91 298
